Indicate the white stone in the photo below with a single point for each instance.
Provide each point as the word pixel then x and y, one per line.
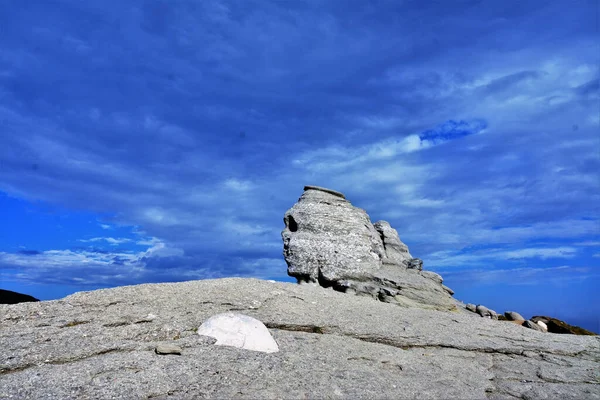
pixel 238 330
pixel 543 325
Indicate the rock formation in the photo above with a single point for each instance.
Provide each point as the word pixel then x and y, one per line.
pixel 329 242
pixel 513 316
pixel 141 342
pixel 10 297
pixel 554 325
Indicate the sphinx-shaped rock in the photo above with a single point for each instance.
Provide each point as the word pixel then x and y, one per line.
pixel 327 240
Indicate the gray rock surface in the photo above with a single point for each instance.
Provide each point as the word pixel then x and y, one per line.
pixel 396 252
pixel 471 307
pixel 447 289
pixel 513 316
pixel 415 263
pixel 486 312
pixel 166 348
pixel 101 344
pixel 329 242
pixel 532 325
pixel 433 276
pixel 327 239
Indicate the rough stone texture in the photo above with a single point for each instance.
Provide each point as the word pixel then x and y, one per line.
pixel 238 330
pixel 396 252
pixel 166 348
pixel 10 297
pixel 415 263
pixel 513 316
pixel 101 344
pixel 328 241
pixel 486 312
pixel 447 289
pixel 322 189
pixel 433 276
pixel 471 307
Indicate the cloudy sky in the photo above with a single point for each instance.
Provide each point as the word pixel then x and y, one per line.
pixel 153 141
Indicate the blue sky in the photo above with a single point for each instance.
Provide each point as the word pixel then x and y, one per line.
pixel 153 141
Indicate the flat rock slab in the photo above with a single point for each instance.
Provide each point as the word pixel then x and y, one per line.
pixel 167 349
pixel 101 344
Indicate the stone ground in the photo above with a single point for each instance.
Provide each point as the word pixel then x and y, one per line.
pixel 101 344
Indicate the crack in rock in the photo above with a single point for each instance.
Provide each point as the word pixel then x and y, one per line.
pixel 20 368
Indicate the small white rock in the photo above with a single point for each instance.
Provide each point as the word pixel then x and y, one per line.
pixel 238 330
pixel 543 325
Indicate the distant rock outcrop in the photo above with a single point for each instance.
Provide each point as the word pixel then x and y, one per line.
pixel 10 297
pixel 330 242
pixel 554 325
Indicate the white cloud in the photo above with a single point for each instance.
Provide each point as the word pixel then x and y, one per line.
pixel 543 253
pixel 479 257
pixel 110 240
pixel 560 275
pixel 238 185
pixel 588 243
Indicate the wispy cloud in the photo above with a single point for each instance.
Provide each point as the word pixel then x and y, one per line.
pixel 479 257
pixel 561 275
pixel 109 240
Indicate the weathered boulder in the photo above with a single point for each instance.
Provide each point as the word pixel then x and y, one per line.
pixel 486 312
pixel 471 307
pixel 532 325
pixel 513 316
pixel 326 240
pixel 10 297
pixel 102 344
